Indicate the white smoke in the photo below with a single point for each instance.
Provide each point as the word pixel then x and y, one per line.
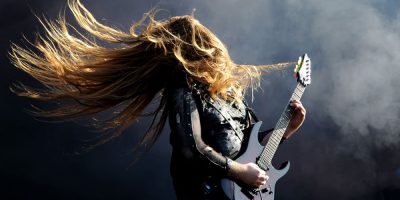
pixel 361 49
pixel 354 44
pixel 355 49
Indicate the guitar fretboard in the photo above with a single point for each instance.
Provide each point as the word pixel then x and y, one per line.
pixel 272 145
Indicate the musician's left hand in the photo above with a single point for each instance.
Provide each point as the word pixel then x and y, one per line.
pixel 297 120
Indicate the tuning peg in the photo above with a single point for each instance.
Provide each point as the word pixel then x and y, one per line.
pixel 299 61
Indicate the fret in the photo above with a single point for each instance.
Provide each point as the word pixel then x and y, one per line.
pixel 262 160
pixel 298 96
pixel 276 141
pixel 298 92
pixel 280 128
pixel 286 118
pixel 298 89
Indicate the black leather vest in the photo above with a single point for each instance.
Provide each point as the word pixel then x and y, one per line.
pixel 223 124
pixel 199 158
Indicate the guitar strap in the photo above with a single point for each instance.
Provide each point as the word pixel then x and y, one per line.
pixel 227 114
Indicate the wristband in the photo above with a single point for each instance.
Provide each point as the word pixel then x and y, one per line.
pixel 228 163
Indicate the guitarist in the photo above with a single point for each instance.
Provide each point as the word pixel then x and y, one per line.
pixel 204 141
pixel 180 61
pixel 210 125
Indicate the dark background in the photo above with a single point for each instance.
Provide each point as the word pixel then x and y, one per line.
pixel 348 147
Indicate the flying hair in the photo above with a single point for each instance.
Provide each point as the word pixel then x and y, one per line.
pixel 133 69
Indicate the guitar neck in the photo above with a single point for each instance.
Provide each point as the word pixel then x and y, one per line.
pixel 272 145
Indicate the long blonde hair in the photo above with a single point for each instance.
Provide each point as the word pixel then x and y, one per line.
pixel 135 70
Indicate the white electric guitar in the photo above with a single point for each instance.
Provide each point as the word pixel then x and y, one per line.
pixel 262 155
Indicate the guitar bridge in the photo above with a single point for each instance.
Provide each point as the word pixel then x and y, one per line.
pixel 250 192
pixel 247 193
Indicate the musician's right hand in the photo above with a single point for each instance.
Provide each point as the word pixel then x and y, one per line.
pixel 248 173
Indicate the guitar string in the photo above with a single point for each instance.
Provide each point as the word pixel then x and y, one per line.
pixel 267 153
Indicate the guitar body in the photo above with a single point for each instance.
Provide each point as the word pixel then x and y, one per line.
pixel 237 191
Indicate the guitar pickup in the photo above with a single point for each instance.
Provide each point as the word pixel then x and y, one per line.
pixel 264 190
pixel 247 193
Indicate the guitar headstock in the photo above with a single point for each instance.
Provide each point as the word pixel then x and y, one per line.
pixel 303 70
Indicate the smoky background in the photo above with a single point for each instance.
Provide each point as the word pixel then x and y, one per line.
pixel 346 149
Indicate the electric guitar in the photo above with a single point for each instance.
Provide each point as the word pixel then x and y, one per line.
pixel 262 155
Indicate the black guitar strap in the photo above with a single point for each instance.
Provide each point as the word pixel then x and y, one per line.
pixel 227 114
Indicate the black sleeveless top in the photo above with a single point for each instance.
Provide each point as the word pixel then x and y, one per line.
pixel 204 134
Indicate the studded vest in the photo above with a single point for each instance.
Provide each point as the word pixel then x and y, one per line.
pixel 199 155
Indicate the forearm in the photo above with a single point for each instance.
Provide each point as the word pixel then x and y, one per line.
pixel 234 169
